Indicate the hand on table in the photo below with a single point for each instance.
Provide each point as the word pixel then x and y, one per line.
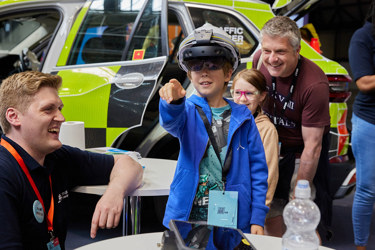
pixel 172 91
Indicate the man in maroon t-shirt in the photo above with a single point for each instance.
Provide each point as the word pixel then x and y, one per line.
pixel 298 104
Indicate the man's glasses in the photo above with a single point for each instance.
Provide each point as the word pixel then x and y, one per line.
pixel 210 64
pixel 237 94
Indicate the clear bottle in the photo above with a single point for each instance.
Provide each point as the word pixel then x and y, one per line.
pixel 301 217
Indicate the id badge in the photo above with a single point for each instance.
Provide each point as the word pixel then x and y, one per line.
pixel 222 208
pixel 54 244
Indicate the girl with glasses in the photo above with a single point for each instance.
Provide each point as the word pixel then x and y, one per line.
pixel 249 88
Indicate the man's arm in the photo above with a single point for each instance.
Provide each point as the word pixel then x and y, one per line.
pixel 312 138
pixel 366 83
pixel 125 177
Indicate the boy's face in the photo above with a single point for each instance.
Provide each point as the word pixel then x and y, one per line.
pixel 209 81
pixel 40 123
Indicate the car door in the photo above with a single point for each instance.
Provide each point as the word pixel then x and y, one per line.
pixel 110 65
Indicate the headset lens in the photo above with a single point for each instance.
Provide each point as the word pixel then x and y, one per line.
pixel 214 63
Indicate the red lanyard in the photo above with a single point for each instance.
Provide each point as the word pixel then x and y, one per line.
pixel 20 161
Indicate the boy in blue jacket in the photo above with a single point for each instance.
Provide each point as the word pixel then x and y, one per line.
pixel 235 162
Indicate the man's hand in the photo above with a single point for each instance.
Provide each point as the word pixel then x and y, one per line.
pixel 107 211
pixel 256 229
pixel 172 91
pixel 126 176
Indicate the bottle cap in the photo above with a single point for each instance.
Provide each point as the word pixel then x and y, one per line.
pixel 303 190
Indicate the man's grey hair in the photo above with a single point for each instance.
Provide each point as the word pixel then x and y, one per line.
pixel 282 26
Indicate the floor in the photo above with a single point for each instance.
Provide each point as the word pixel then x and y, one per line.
pixel 83 207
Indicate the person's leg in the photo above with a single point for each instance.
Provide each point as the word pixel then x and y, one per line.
pixel 363 145
pixel 293 184
pixel 274 224
pixel 323 196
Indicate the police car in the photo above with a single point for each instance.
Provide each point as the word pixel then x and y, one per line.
pixel 114 55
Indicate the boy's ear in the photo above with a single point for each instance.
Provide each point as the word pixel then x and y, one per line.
pixel 228 75
pixel 13 116
pixel 189 75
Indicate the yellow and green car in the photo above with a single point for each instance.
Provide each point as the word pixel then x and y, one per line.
pixel 114 55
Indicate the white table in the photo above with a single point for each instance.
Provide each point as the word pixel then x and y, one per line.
pixel 151 241
pixel 157 178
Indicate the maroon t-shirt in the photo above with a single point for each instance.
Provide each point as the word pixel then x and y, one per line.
pixel 308 106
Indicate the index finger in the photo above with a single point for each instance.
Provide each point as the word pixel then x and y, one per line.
pixel 178 90
pixel 174 80
pixel 94 224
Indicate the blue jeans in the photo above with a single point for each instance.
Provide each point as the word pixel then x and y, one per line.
pixel 363 145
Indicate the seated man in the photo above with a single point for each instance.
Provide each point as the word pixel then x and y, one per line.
pixel 37 171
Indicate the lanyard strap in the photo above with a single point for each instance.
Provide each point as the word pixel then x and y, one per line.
pixel 291 90
pixel 22 164
pixel 226 165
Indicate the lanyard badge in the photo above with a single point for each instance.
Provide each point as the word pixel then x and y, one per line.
pixel 222 208
pixel 54 244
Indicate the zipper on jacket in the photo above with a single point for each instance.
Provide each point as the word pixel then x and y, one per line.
pixel 197 184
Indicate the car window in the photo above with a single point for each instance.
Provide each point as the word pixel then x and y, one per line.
pixel 146 41
pixel 104 32
pixel 25 31
pixel 109 26
pixel 28 32
pixel 175 36
pixel 244 40
pixel 13 32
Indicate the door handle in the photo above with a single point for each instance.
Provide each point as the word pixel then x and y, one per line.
pixel 129 81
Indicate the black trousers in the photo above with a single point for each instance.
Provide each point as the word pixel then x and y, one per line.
pixel 321 182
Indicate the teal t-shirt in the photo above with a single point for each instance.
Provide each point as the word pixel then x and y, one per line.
pixel 210 168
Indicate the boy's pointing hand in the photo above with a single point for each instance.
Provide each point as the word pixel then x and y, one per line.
pixel 172 91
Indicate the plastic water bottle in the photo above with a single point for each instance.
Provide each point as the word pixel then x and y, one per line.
pixel 301 217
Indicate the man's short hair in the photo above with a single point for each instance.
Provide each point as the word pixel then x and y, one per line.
pixel 17 91
pixel 282 26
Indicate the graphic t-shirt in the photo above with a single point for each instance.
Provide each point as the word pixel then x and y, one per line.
pixel 210 168
pixel 308 106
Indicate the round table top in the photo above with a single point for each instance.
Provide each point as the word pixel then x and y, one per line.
pixel 152 241
pixel 157 178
